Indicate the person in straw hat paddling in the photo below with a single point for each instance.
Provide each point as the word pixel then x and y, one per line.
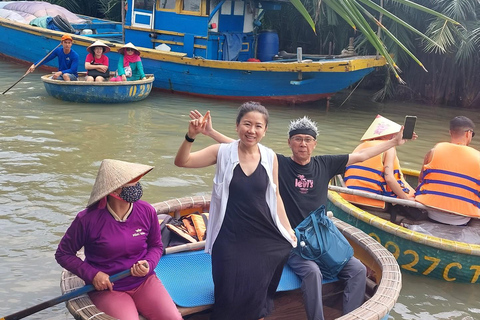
pixel 96 62
pixel 118 231
pixel 130 67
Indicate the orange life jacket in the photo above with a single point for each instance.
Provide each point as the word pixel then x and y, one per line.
pixel 451 180
pixel 368 176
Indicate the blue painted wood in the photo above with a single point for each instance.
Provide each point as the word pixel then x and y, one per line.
pixel 215 79
pixel 103 92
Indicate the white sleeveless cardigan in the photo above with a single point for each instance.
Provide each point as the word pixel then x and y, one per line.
pixel 227 160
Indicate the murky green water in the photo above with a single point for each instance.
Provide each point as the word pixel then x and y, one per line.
pixel 50 151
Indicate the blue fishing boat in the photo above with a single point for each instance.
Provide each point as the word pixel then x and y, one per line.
pixel 98 92
pixel 203 48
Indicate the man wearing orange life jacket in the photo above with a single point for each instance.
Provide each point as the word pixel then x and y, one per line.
pixel 449 182
pixel 380 174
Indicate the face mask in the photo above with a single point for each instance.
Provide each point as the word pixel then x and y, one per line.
pixel 132 193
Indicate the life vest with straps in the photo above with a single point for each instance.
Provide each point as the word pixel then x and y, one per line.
pixel 451 180
pixel 369 176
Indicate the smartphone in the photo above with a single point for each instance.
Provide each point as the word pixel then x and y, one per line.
pixel 409 127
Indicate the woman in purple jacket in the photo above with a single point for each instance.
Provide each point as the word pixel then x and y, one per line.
pixel 119 231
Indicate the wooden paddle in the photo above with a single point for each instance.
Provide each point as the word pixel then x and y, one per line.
pixel 67 296
pixel 13 85
pixel 85 289
pixel 407 203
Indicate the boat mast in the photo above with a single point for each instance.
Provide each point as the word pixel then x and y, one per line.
pixel 122 8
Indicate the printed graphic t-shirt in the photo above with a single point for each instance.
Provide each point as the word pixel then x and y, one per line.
pixel 304 188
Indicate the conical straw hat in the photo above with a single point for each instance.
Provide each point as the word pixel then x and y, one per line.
pixel 380 127
pixel 98 43
pixel 113 174
pixel 128 46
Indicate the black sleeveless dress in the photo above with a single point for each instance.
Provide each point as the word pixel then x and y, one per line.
pixel 249 252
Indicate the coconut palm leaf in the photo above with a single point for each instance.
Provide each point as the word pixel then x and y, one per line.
pixel 348 8
pixel 442 33
pixel 389 34
pixel 427 10
pixel 396 19
pixel 303 11
pixel 355 12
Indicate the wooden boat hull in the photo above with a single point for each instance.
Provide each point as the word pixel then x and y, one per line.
pixel 415 252
pixel 284 82
pixel 384 270
pixel 98 92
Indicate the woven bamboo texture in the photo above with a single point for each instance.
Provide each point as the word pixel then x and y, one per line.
pixel 388 273
pixel 381 260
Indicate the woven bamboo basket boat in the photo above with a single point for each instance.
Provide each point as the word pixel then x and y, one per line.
pixel 383 289
pixel 416 253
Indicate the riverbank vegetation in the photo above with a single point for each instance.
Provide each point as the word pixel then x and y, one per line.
pixel 449 52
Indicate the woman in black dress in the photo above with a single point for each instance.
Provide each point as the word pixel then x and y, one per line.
pixel 248 233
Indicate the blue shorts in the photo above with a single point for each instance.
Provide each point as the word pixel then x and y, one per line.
pixel 72 77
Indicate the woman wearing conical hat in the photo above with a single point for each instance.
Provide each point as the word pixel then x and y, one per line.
pixel 130 67
pixel 118 231
pixel 381 174
pixel 96 62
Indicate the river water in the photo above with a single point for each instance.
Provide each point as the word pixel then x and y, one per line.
pixel 50 151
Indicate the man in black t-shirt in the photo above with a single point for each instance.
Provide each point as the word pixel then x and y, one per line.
pixel 303 185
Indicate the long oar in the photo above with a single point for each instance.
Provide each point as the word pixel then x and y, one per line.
pixel 13 85
pixel 403 202
pixel 67 296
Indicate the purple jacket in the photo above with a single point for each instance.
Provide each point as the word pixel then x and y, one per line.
pixel 112 246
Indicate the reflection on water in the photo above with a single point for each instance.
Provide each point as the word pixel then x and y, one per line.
pixel 50 151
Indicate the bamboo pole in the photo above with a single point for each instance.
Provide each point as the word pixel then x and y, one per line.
pixel 185 247
pixel 407 203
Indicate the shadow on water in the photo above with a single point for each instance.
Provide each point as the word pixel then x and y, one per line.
pixel 50 151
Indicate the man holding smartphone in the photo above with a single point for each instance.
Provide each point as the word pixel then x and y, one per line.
pixel 303 183
pixel 450 177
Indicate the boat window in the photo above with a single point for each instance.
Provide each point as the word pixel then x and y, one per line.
pixel 167 4
pixel 144 4
pixel 191 5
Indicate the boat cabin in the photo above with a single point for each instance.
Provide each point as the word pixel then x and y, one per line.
pixel 210 29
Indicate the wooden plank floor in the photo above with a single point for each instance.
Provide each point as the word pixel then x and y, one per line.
pixel 288 306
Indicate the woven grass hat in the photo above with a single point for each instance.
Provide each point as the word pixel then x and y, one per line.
pixel 113 174
pixel 380 127
pixel 128 45
pixel 98 44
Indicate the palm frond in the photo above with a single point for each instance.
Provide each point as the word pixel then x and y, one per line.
pixel 396 19
pixel 458 9
pixel 303 11
pixel 442 33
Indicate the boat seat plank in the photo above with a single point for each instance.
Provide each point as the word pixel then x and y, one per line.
pixel 193 289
